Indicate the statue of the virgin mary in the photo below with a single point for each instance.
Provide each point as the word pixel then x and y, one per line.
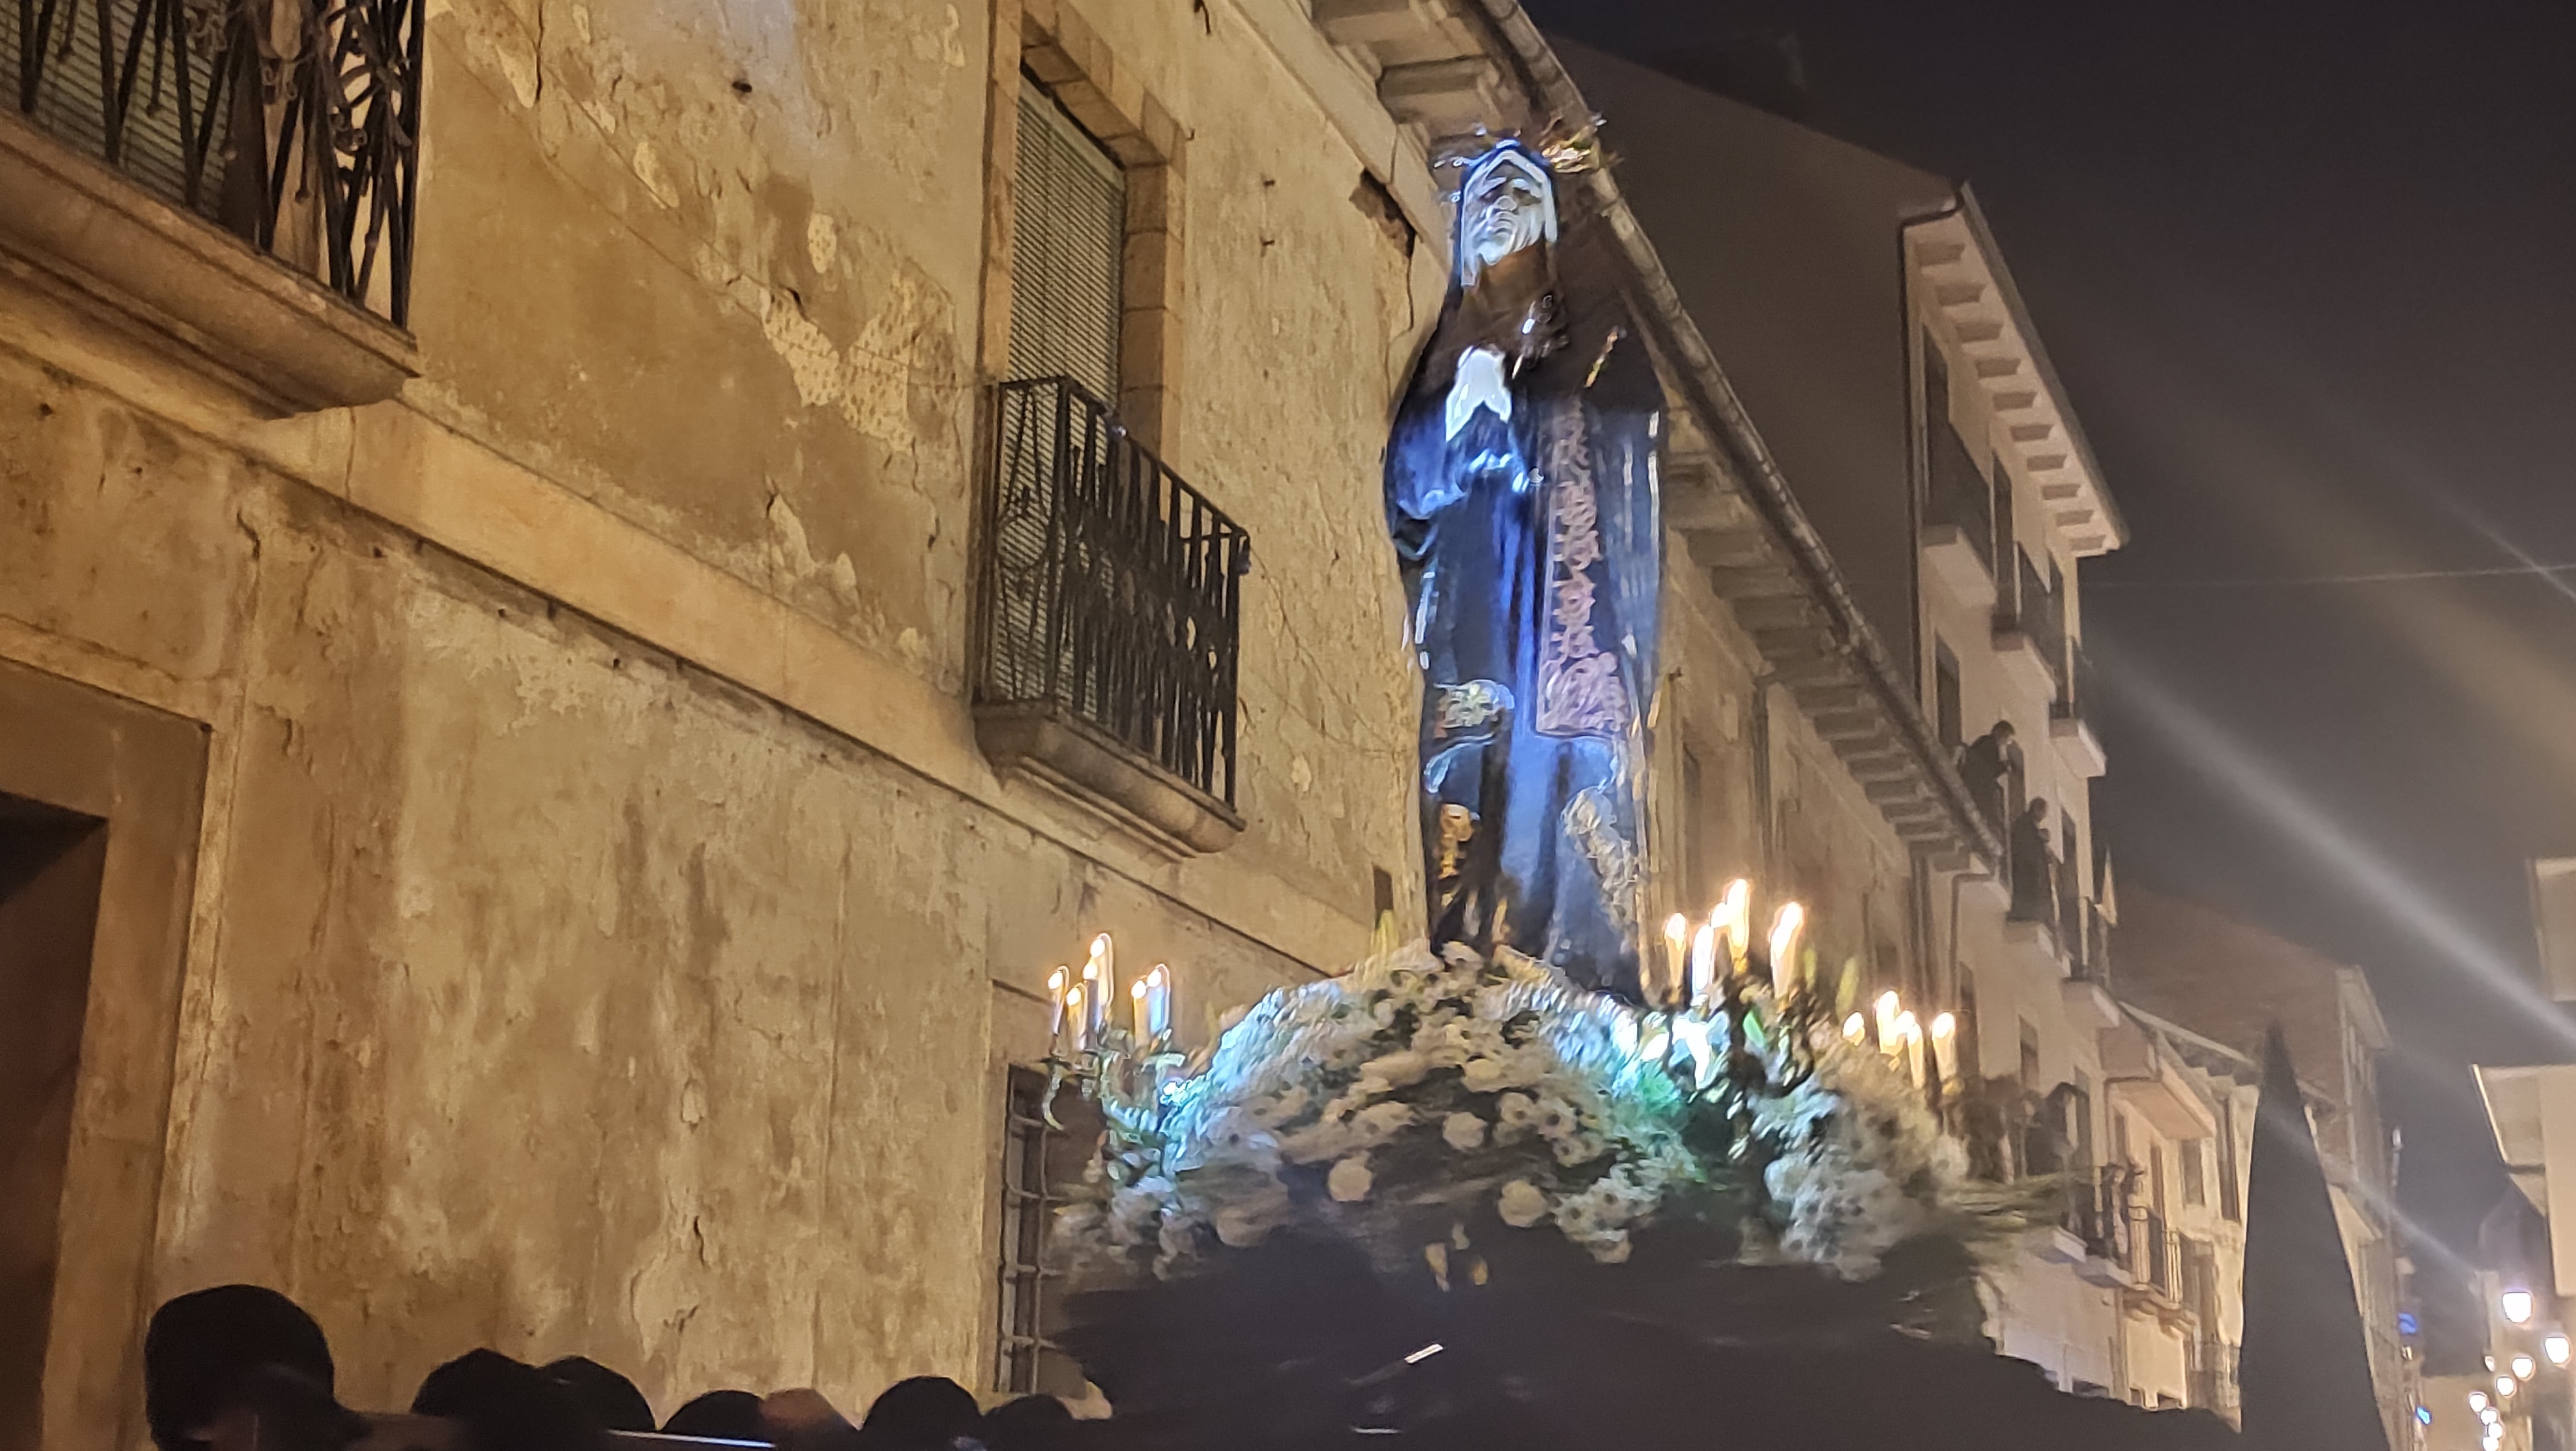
pixel 1521 492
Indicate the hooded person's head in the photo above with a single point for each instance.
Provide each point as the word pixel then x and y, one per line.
pixel 507 1405
pixel 924 1412
pixel 204 1346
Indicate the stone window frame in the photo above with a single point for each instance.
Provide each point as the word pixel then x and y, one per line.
pixel 1049 41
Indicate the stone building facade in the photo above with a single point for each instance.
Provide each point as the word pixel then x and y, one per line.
pixel 2228 983
pixel 554 897
pixel 1867 321
pixel 501 746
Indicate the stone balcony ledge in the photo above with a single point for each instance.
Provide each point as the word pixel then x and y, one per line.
pixel 84 237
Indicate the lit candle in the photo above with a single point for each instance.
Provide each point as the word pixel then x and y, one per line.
pixel 1886 1008
pixel 1078 1018
pixel 1855 1029
pixel 1945 1047
pixel 1100 979
pixel 1159 1001
pixel 1677 933
pixel 1057 982
pixel 1703 965
pixel 1734 917
pixel 1910 1033
pixel 1784 948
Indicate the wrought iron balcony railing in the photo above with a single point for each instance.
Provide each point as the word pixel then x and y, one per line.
pixel 1959 495
pixel 2038 613
pixel 2075 691
pixel 2155 1253
pixel 2098 1212
pixel 292 123
pixel 1111 589
pixel 2213 1377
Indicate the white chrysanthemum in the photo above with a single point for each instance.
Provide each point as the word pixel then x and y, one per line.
pixel 1350 1181
pixel 1521 1204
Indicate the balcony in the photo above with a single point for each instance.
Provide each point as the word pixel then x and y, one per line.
pixel 2213 1377
pixel 1109 620
pixel 2155 1256
pixel 164 171
pixel 2149 1081
pixel 1958 525
pixel 2069 725
pixel 2030 633
pixel 2098 1212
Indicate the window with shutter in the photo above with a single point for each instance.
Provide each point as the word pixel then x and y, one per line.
pixel 151 88
pixel 1068 249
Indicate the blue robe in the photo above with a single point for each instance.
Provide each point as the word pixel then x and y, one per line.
pixel 1532 562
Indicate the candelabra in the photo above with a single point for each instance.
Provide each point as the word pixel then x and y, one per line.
pixel 1122 1067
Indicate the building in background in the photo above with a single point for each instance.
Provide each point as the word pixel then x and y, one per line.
pixel 2181 1107
pixel 1869 326
pixel 2228 983
pixel 2527 1284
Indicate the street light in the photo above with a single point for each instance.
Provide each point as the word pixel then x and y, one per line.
pixel 2516 1305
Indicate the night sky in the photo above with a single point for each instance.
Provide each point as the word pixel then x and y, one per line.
pixel 2306 270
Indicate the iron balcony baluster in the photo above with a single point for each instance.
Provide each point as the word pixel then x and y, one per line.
pixel 180 96
pixel 1111 586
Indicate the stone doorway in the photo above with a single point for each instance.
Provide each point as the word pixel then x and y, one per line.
pixel 51 865
pixel 100 804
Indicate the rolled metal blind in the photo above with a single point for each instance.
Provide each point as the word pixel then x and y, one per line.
pixel 1068 243
pixel 63 88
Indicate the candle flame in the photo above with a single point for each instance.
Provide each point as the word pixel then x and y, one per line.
pixel 1854 1028
pixel 1784 929
pixel 1944 1025
pixel 1677 928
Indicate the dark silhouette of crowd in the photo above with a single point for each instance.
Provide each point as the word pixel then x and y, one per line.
pixel 242 1368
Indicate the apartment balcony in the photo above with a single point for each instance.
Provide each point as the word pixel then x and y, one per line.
pixel 2098 1213
pixel 1109 623
pixel 2024 659
pixel 2070 725
pixel 1958 524
pixel 2155 1258
pixel 164 173
pixel 2030 633
pixel 2150 1082
pixel 2213 1378
pixel 2035 942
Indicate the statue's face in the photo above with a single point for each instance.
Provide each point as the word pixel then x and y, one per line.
pixel 1505 214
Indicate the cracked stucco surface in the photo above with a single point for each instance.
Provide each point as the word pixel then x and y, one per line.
pixel 556 997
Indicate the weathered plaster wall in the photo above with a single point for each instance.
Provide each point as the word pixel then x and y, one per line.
pixel 745 252
pixel 550 989
pixel 565 999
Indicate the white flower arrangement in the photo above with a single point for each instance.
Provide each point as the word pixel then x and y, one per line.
pixel 1401 1100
